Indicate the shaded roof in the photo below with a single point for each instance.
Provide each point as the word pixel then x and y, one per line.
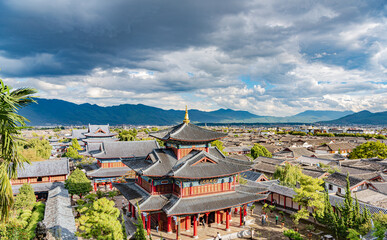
pixel 94 128
pixel 336 200
pixel 126 149
pixel 163 162
pixel 339 179
pixel 189 205
pixel 78 133
pixel 252 176
pixel 286 191
pixel 44 168
pixel 313 160
pixel 38 187
pixel 109 172
pixel 294 152
pixel 58 214
pixel 372 197
pixel 380 186
pixel 237 149
pixel 188 132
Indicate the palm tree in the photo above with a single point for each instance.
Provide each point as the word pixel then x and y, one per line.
pixel 10 125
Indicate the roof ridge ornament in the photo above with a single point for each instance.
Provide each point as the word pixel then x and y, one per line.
pixel 186 118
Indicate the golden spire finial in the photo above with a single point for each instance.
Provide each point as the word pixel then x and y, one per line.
pixel 186 119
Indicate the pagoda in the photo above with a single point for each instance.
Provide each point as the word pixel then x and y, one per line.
pixel 188 181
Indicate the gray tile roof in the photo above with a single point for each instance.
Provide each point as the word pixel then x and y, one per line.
pixel 38 187
pixel 94 128
pixel 58 215
pixel 380 186
pixel 286 191
pixel 109 172
pixel 78 133
pixel 188 132
pixel 336 200
pixel 252 176
pixel 209 203
pixel 44 168
pixel 163 162
pixel 333 199
pixel 122 150
pixel 339 179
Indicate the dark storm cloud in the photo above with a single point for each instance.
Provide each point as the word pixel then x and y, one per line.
pixel 88 34
pixel 296 54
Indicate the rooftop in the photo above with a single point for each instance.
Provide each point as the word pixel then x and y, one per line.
pixel 187 132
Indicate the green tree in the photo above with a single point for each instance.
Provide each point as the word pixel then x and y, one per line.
pixel 26 197
pixel 369 150
pixel 75 144
pixel 347 216
pixel 72 153
pixel 10 124
pixel 259 151
pixel 288 175
pixel 128 135
pixel 380 225
pixel 35 149
pixel 78 183
pixel 100 221
pixel 140 231
pixel 13 230
pixel 219 145
pixel 309 194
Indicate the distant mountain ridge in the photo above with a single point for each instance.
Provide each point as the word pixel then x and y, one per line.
pixel 362 118
pixel 59 112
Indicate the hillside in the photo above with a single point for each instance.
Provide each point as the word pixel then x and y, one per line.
pixel 363 117
pixel 59 112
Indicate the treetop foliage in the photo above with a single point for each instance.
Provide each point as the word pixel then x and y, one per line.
pixel 259 151
pixel 369 150
pixel 26 197
pixel 100 221
pixel 35 149
pixel 78 183
pixel 288 175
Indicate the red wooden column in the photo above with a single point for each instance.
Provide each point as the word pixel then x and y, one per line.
pixel 148 229
pixel 187 223
pixel 143 221
pixel 217 216
pixel 195 227
pixel 169 229
pixel 241 217
pixel 271 198
pixel 228 216
pixel 207 218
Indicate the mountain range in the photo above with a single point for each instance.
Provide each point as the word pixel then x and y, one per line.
pixel 51 112
pixel 363 117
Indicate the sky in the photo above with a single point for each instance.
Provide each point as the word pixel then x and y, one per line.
pixel 270 57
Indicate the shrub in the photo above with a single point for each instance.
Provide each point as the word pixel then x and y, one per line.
pixel 291 234
pixel 36 216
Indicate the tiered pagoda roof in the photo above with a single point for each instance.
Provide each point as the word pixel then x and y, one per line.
pixel 187 132
pixel 196 165
pixel 173 205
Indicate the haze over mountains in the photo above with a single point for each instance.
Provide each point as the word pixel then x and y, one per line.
pixel 59 112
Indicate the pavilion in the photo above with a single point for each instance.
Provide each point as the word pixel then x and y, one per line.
pixel 188 182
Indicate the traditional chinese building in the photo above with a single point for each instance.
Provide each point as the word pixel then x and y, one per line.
pixel 91 138
pixel 42 175
pixel 188 181
pixel 109 167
